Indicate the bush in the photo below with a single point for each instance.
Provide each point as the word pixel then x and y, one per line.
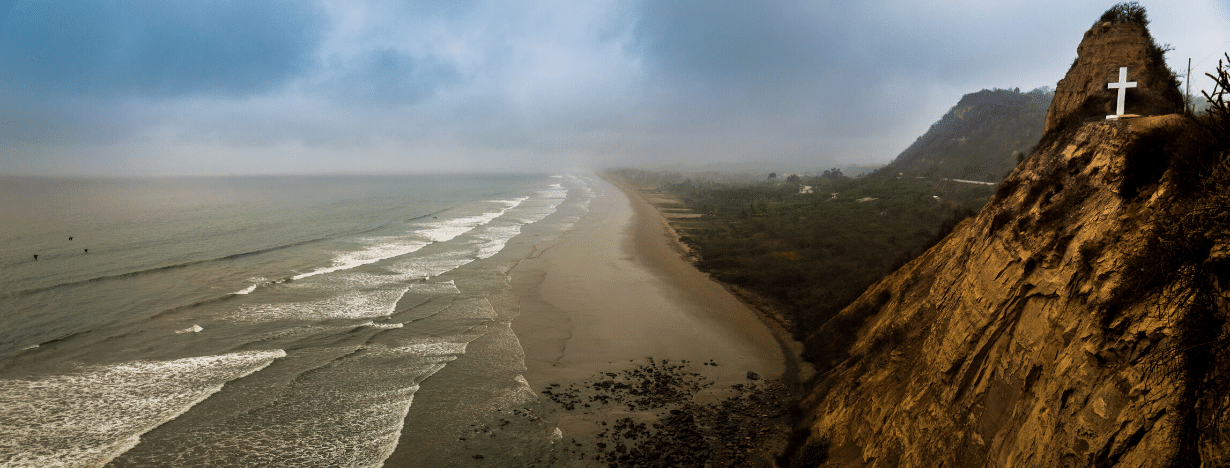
pixel 830 344
pixel 1216 120
pixel 1125 12
pixel 1006 188
pixel 812 454
pixel 889 338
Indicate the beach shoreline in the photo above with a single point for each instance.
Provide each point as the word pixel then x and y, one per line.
pixel 633 355
pixel 797 370
pixel 615 302
pixel 615 288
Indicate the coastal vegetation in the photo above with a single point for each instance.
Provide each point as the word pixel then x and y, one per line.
pixel 807 247
pixel 804 246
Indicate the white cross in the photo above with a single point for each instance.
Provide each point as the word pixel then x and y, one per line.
pixel 1123 85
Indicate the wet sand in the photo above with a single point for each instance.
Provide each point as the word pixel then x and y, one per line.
pixel 637 358
pixel 620 330
pixel 615 289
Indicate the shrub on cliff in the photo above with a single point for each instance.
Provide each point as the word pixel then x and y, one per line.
pixel 1215 121
pixel 1120 39
pixel 812 454
pixel 1125 12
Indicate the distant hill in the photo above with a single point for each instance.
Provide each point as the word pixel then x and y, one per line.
pixel 979 138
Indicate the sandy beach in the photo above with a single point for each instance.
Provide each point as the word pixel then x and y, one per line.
pixel 636 358
pixel 614 297
pixel 614 289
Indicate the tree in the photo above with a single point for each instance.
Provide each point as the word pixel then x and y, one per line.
pixel 772 176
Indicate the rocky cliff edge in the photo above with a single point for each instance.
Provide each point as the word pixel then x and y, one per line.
pixel 1080 319
pixel 1040 332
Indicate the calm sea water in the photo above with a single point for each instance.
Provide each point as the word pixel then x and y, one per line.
pixel 263 321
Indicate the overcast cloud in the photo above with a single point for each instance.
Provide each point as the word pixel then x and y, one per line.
pixel 179 87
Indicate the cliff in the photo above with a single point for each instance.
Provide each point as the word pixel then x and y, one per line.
pixel 1078 320
pixel 1082 93
pixel 980 138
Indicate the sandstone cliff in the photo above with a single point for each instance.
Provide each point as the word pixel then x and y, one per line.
pixel 1082 93
pixel 1078 320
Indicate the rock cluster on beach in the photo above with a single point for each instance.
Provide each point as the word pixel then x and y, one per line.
pixel 659 414
pixel 652 418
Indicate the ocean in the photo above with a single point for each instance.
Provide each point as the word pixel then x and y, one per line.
pixel 269 321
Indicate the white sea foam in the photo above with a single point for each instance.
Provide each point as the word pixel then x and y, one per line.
pixel 432 265
pixel 420 348
pixel 472 308
pixel 557 194
pixel 348 305
pixel 443 287
pixel 495 238
pixel 246 290
pixel 542 205
pixel 512 203
pixel 350 281
pixel 192 329
pixel 89 418
pixel 535 210
pixel 303 330
pixel 520 393
pixel 379 248
pixel 385 325
pixel 448 229
pixel 320 329
pixel 349 412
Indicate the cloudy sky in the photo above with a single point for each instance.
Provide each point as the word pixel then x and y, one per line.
pixel 218 87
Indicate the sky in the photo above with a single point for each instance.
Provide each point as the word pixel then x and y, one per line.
pixel 233 87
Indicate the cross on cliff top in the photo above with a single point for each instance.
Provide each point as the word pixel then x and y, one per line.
pixel 1123 85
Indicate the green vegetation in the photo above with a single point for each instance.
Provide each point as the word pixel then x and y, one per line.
pixel 808 246
pixel 808 255
pixel 1125 12
pixel 812 454
pixel 983 137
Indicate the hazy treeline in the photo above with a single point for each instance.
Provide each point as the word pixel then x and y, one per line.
pixel 811 254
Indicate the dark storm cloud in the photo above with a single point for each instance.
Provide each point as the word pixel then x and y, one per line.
pixel 156 48
pixel 225 86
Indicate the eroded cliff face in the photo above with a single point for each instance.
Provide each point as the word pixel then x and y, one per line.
pixel 1021 340
pixel 1083 93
